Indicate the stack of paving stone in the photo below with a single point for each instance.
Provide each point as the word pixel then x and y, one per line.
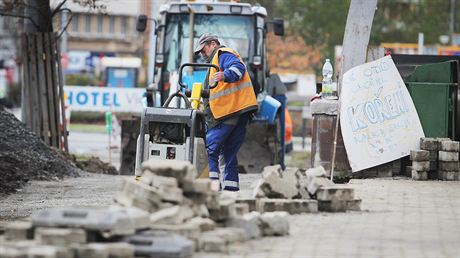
pixel 183 205
pixel 437 159
pixel 292 191
pixel 108 232
pixel 448 167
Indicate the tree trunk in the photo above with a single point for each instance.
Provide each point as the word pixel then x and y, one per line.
pixel 39 12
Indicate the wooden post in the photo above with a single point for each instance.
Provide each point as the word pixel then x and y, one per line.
pixel 42 88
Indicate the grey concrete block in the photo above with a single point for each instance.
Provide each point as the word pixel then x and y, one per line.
pixel 93 250
pixel 448 175
pixel 187 229
pixel 292 206
pixel 335 192
pixel 419 175
pixel 160 244
pixel 324 106
pixel 419 155
pixel 314 183
pixel 131 187
pixel 241 208
pixel 275 223
pixel 181 170
pixel 421 165
pixel 12 252
pixel 251 202
pixel 408 171
pixel 173 215
pixel 449 165
pixel 171 194
pixel 200 185
pixel 249 222
pixel 149 178
pixel 277 183
pixel 129 200
pixel 429 144
pixel 60 236
pixel 204 224
pixel 225 207
pixel 433 165
pixel 47 251
pixel 433 156
pixel 18 230
pixel 339 205
pixel 213 244
pixel 448 156
pixel 113 220
pixel 452 146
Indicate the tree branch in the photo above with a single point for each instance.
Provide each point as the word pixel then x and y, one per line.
pixel 3 13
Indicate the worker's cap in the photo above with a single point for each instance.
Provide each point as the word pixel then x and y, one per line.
pixel 204 39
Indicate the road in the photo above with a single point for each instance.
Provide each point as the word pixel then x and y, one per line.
pixel 399 218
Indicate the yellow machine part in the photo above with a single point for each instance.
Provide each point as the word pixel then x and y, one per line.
pixel 196 94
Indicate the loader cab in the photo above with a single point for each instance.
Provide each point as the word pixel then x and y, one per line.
pixel 239 26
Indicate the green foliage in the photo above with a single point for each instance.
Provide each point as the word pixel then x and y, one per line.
pixel 80 80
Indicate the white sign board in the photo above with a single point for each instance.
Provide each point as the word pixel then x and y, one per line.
pixel 102 99
pixel 377 116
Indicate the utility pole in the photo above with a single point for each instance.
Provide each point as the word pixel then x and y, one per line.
pixel 452 16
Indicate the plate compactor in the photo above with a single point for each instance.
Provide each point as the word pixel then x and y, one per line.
pixel 176 133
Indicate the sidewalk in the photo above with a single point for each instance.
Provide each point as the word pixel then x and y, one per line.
pixel 399 218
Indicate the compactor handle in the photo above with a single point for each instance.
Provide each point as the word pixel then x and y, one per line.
pixel 196 65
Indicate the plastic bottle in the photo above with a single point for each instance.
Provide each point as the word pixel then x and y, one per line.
pixel 326 90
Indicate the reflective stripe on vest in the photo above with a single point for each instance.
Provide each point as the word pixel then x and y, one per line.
pixel 230 91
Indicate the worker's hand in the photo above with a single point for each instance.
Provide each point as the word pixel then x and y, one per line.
pixel 219 76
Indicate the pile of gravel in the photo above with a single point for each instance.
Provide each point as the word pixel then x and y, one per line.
pixel 24 156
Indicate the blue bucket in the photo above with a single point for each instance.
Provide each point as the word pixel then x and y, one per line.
pixel 268 109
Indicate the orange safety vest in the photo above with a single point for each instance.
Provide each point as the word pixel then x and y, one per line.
pixel 230 98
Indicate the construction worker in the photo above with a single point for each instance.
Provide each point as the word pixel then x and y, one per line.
pixel 228 109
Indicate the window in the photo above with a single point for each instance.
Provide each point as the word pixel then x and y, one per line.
pixel 124 25
pixel 111 25
pixel 75 22
pixel 88 23
pixel 100 23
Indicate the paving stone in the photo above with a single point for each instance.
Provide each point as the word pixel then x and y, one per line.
pixel 274 223
pixel 449 146
pixel 213 244
pixel 429 144
pixel 241 208
pixel 154 180
pixel 419 175
pixel 421 165
pixel 12 252
pixel 225 208
pixel 419 155
pixel 60 236
pixel 339 205
pixel 433 165
pixel 93 250
pixel 113 220
pixel 171 194
pixel 183 171
pixel 316 178
pixel 160 244
pixel 187 229
pixel 277 183
pixel 448 156
pixel 335 192
pixel 432 175
pixel 292 206
pixel 251 202
pixel 137 202
pixel 249 222
pixel 229 234
pixel 200 185
pixel 119 250
pixel 408 171
pixel 131 187
pixel 173 215
pixel 448 175
pixel 18 230
pixel 433 156
pixel 449 166
pixel 204 224
pixel 47 251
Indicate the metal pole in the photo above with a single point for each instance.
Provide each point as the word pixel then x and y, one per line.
pixel 452 16
pixel 152 44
